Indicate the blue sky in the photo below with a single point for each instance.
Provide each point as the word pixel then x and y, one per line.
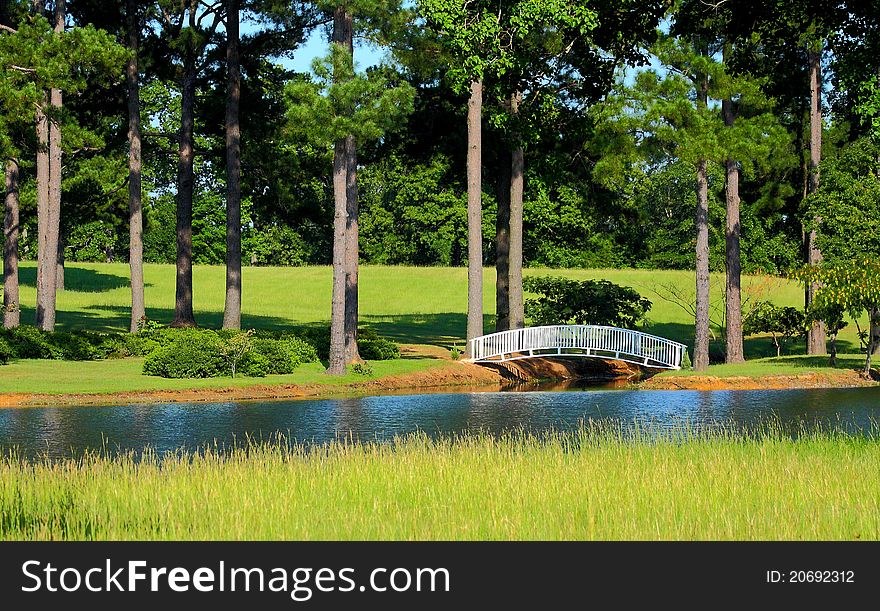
pixel 316 46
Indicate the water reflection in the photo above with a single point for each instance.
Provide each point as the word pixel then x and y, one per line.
pixel 71 430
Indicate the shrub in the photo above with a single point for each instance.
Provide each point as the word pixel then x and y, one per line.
pixel 74 347
pixel 300 348
pixel 202 353
pixel 370 345
pixel 193 354
pixel 6 351
pixel 378 349
pixel 277 356
pixel 319 337
pixel 256 365
pixel 686 361
pixel 362 369
pixel 31 343
pixel 588 302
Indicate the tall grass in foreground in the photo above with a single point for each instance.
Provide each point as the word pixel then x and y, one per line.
pixel 594 484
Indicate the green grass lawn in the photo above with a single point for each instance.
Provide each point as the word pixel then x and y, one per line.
pixel 124 375
pixel 602 486
pixel 410 304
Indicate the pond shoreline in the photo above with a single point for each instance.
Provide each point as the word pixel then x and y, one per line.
pixel 845 378
pixel 456 376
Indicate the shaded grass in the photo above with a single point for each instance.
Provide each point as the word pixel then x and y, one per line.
pixel 595 484
pixel 124 375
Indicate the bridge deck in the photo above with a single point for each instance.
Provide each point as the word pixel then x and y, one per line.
pixel 585 341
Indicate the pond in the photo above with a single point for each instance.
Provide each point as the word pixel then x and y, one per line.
pixel 65 431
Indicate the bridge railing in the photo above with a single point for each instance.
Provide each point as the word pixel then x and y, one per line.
pixel 579 340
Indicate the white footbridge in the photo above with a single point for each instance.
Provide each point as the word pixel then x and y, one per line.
pixel 581 341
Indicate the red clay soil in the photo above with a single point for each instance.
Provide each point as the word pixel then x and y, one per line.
pixel 840 379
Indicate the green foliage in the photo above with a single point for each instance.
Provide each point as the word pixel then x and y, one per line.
pixel 226 352
pixel 686 364
pixel 234 347
pixel 370 345
pixel 192 354
pixel 479 36
pixel 26 342
pixel 410 213
pixel 90 241
pixel 277 245
pixel 845 211
pixel 340 102
pixel 590 302
pixel 378 349
pixel 34 59
pixel 782 323
pixel 285 354
pixel 362 369
pixel 6 351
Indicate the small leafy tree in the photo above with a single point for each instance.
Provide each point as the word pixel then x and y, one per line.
pixel 782 323
pixel 236 347
pixel 855 289
pixel 589 302
pixel 833 315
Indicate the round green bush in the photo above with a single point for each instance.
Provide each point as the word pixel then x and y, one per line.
pixel 6 351
pixel 32 343
pixel 194 354
pixel 300 348
pixel 378 349
pixel 278 358
pixel 256 365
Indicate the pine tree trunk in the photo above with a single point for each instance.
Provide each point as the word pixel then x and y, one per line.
pixel 474 214
pixel 135 192
pixel 733 294
pixel 816 334
pixel 701 331
pixel 337 359
pixel 502 246
pixel 701 305
pixel 11 304
pixel 59 264
pixel 336 365
pixel 49 272
pixel 42 187
pixel 517 315
pixel 232 308
pixel 352 251
pixel 352 247
pixel 183 302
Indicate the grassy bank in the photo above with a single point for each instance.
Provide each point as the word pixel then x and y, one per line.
pixel 819 486
pixel 124 375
